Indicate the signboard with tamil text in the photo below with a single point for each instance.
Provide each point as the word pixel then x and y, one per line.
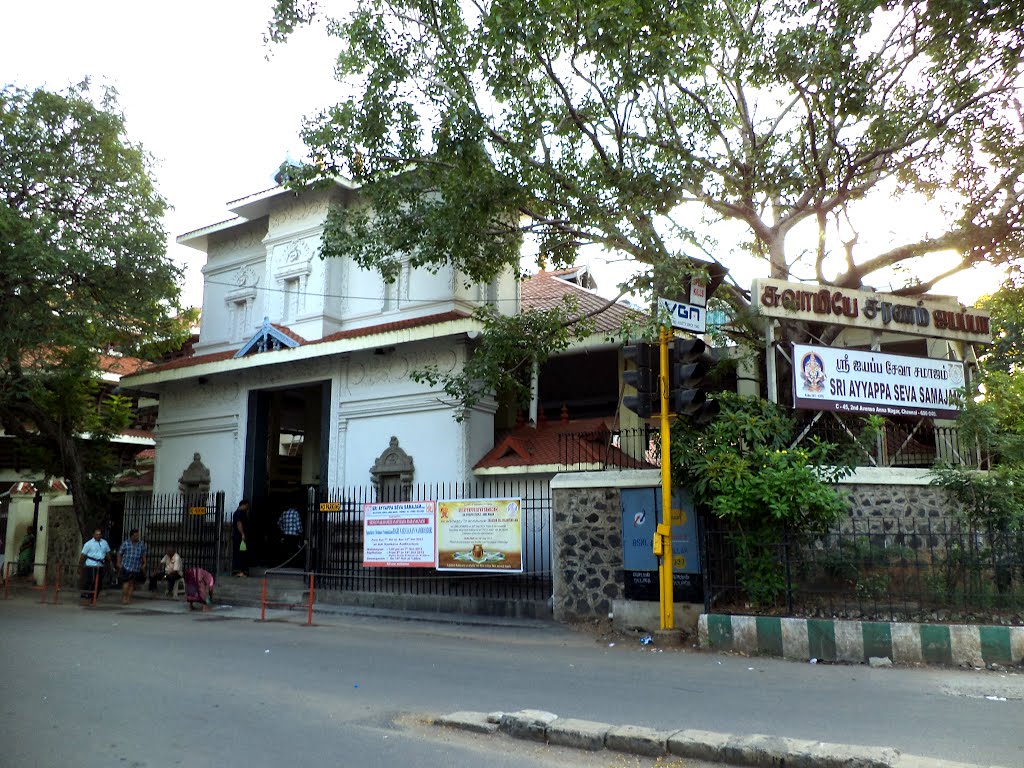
pixel 934 316
pixel 852 381
pixel 480 535
pixel 399 535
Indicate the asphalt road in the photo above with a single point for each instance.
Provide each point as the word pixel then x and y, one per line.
pixel 152 685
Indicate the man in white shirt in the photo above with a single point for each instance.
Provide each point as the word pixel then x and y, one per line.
pixel 92 562
pixel 172 571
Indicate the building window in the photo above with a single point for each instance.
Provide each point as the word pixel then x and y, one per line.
pixel 241 318
pixel 292 298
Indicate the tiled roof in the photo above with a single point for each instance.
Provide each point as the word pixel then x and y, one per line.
pixel 122 366
pixel 290 333
pixel 584 441
pixel 545 290
pixel 398 325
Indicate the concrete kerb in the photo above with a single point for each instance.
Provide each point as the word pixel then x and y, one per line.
pixel 756 750
pixel 857 641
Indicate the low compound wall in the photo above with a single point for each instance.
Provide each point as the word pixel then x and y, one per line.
pixel 859 641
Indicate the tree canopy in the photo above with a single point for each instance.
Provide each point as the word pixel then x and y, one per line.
pixel 628 123
pixel 85 273
pixel 638 125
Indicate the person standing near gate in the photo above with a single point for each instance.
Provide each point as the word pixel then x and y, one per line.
pixel 92 562
pixel 131 564
pixel 239 544
pixel 290 525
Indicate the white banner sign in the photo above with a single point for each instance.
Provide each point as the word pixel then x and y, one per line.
pixel 687 317
pixel 852 381
pixel 399 535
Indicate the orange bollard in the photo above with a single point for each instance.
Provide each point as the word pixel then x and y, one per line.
pixel 309 621
pixel 263 601
pixel 95 588
pixel 56 588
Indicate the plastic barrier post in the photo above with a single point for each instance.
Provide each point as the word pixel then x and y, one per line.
pixel 263 601
pixel 96 588
pixel 56 587
pixel 309 621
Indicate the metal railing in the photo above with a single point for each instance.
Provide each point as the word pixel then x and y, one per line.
pixel 336 544
pixel 918 444
pixel 192 523
pixel 603 449
pixel 887 570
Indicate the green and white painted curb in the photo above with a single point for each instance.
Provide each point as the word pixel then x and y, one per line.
pixel 859 641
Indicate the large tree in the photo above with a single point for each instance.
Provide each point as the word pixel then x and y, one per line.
pixel 85 273
pixel 636 125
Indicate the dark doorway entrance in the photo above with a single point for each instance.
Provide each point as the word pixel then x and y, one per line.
pixel 286 454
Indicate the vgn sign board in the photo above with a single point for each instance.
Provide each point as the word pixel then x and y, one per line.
pixel 464 535
pixel 853 381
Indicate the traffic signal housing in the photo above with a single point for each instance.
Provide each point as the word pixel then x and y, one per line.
pixel 643 378
pixel 690 360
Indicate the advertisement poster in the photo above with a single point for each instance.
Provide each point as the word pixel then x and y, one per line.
pixel 480 535
pixel 852 381
pixel 399 535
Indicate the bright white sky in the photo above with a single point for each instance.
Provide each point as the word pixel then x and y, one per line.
pixel 195 85
pixel 201 95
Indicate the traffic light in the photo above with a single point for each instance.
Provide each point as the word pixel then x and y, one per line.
pixel 644 378
pixel 689 362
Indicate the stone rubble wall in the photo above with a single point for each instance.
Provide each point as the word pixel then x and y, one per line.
pixel 587 531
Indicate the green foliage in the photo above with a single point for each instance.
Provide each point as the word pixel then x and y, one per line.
pixel 743 469
pixel 1006 353
pixel 503 360
pixel 85 272
pixel 630 123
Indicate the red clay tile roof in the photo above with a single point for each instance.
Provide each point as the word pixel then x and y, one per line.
pixel 122 366
pixel 584 441
pixel 399 325
pixel 290 333
pixel 545 290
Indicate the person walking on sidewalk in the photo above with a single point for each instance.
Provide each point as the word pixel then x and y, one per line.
pixel 131 564
pixel 239 545
pixel 92 562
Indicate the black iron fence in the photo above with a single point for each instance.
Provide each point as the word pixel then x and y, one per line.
pixel 192 523
pixel 609 449
pixel 887 570
pixel 910 444
pixel 336 544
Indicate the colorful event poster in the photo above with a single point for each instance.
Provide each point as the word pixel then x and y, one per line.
pixel 399 535
pixel 480 535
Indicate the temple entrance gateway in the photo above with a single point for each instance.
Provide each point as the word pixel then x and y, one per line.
pixel 286 456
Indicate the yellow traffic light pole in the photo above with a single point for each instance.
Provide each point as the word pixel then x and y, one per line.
pixel 663 536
